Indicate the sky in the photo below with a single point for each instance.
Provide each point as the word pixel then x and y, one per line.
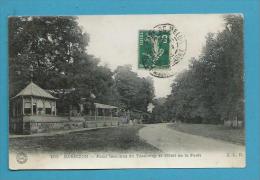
pixel 114 39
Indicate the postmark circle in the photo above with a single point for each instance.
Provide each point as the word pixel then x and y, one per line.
pixel 177 50
pixel 21 157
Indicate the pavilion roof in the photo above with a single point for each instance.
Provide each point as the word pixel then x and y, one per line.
pixel 104 106
pixel 34 90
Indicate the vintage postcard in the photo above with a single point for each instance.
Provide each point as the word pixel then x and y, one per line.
pixel 126 91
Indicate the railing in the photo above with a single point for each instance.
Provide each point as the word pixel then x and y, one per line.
pixel 36 124
pixel 101 118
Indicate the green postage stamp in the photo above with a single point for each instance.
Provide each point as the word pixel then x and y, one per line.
pixel 160 49
pixel 154 48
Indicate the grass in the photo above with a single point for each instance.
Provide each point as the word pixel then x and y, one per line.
pixel 117 139
pixel 220 132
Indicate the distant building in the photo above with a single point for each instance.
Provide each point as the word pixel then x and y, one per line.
pixel 99 111
pixel 150 107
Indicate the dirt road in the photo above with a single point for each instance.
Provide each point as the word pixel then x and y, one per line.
pixel 169 140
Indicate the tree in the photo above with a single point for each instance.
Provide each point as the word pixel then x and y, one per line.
pixel 134 92
pixel 53 45
pixel 160 111
pixel 56 48
pixel 211 91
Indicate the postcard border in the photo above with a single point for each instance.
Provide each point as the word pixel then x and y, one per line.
pixel 250 10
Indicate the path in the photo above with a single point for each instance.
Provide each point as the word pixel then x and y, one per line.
pixel 169 140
